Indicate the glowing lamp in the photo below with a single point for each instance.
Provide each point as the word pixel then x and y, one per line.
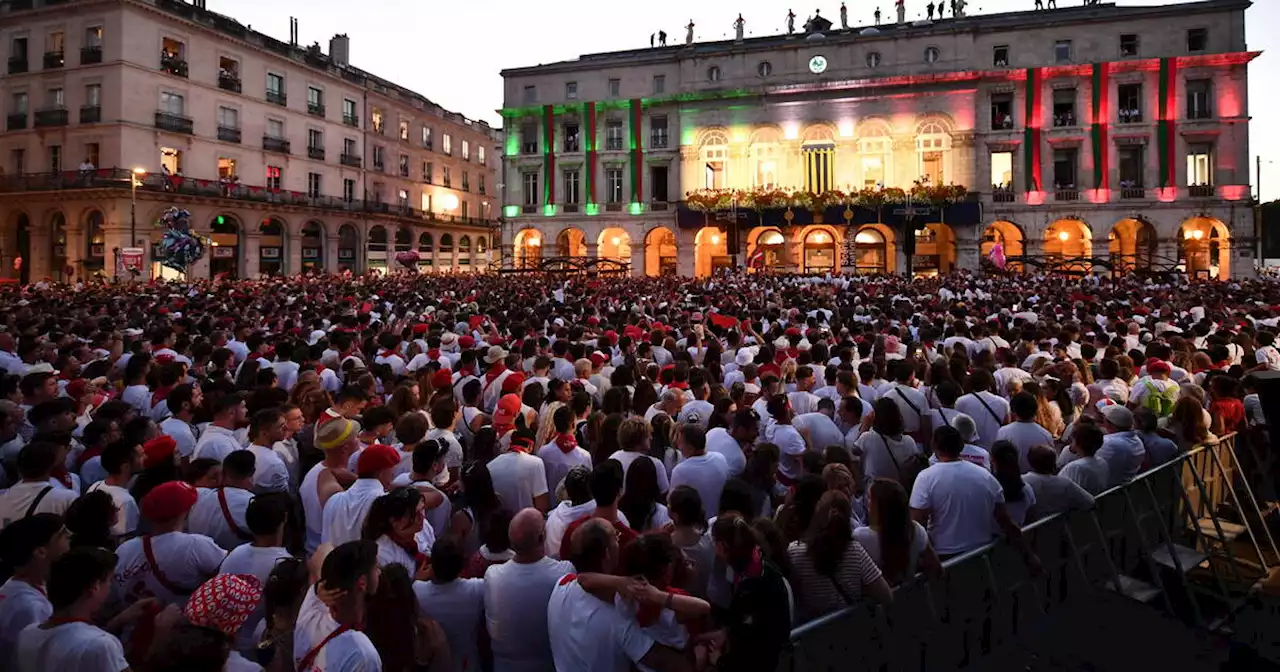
pixel 139 171
pixel 1197 234
pixel 715 240
pixel 450 202
pixel 820 237
pixel 616 240
pixel 535 242
pixel 215 243
pixel 1064 236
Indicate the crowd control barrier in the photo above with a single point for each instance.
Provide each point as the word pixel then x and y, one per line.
pixel 1162 538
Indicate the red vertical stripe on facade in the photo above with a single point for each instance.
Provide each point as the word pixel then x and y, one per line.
pixel 1171 127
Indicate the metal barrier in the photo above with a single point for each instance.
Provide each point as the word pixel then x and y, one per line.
pixel 1158 539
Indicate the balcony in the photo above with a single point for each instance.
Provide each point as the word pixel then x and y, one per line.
pixel 16 121
pixel 658 140
pixel 1001 121
pixel 1064 120
pixel 351 120
pixel 1066 195
pixel 529 148
pixel 91 114
pixel 613 207
pixel 404 171
pixel 1003 194
pixel 18 65
pixel 1133 193
pixel 228 134
pixel 277 98
pixel 379 166
pixel 56 116
pixel 54 60
pixel 572 146
pixel 271 144
pixel 175 123
pixel 613 144
pixel 1201 191
pixel 658 206
pixel 1130 116
pixel 570 208
pixel 173 65
pixel 315 109
pixel 316 153
pixel 350 160
pixel 91 55
pixel 529 210
pixel 229 82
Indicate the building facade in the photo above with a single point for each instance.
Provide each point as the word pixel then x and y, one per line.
pixel 288 158
pixel 1085 139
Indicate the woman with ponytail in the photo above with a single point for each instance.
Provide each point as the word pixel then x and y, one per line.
pixel 831 570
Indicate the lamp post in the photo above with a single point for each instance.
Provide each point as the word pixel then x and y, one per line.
pixel 135 178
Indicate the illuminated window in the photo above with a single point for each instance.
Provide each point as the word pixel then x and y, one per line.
pixel 273 177
pixel 1200 165
pixel 1002 170
pixel 933 143
pixel 715 157
pixel 226 168
pixel 404 130
pixel 376 116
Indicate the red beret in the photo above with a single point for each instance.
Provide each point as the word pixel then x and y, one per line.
pixel 512 383
pixel 158 450
pixel 599 358
pixel 593 321
pixel 75 388
pixel 168 501
pixel 420 328
pixel 375 458
pixel 466 342
pixel 441 379
pixel 1159 367
pixel 792 331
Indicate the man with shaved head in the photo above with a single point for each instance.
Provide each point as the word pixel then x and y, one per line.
pixel 515 598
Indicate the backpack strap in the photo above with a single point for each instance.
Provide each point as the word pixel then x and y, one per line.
pixel 31 510
pixel 156 572
pixel 226 514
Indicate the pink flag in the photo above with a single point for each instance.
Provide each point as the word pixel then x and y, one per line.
pixel 997 255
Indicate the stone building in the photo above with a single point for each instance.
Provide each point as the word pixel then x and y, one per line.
pixel 1084 139
pixel 289 158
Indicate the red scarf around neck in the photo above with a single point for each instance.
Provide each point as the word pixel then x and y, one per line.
pixel 495 371
pixel 161 394
pixel 566 442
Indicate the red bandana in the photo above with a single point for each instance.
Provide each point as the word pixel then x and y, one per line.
pixel 161 394
pixel 567 442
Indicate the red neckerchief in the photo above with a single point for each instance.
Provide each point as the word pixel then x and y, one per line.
pixel 928 345
pixel 388 353
pixel 648 614
pixel 88 454
pixel 521 447
pixel 755 567
pixel 420 559
pixel 567 442
pixel 679 385
pixel 161 394
pixel 495 371
pixel 255 355
pixel 319 368
pixel 433 354
pixel 469 371
pixel 60 473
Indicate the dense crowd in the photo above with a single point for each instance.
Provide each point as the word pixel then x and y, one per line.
pixel 527 473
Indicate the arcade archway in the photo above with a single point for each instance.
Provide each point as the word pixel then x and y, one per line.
pixel 1068 239
pixel 766 249
pixel 1011 239
pixel 1132 245
pixel 348 245
pixel 58 245
pixel 426 250
pixel 271 247
pixel 96 241
pixel 528 248
pixel 1204 247
pixel 313 247
pixel 818 251
pixel 571 243
pixel 660 252
pixel 614 244
pixel 376 255
pixel 875 250
pixel 711 251
pixel 935 250
pixel 224 254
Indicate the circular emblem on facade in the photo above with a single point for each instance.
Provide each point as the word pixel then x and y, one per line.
pixel 818 65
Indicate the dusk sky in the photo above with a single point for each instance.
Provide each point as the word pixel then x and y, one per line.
pixel 452 52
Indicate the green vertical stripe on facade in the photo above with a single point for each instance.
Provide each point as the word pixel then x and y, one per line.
pixel 636 150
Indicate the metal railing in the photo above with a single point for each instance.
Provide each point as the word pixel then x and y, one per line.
pixel 1166 526
pixel 90 114
pixel 90 55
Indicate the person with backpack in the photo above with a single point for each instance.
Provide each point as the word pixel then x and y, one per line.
pixel 1155 391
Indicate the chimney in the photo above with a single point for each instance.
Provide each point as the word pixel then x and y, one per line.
pixel 293 32
pixel 340 50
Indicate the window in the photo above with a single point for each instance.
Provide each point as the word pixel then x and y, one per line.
pixel 572 138
pixel 571 90
pixel 315 139
pixel 764 69
pixel 931 167
pixel 613 135
pixel 315 101
pixel 713 73
pixel 55 98
pixel 376 118
pixel 57 42
pixel 466 150
pixel 379 158
pixel 658 186
pixel 273 176
pixel 171 103
pixel 615 88
pixel 426 137
pixel 171 160
pixel 658 131
pixel 613 184
pixel 530 94
pixel 819 166
pixel 659 84
pixel 349 146
pixel 1197 40
pixel 1131 167
pixel 19 103
pixel 1062 51
pixel 404 130
pixel 313 185
pixel 931 55
pixel 1064 168
pixel 426 207
pixel 93 95
pixel 18 49
pixel 427 172
pixel 466 211
pixel 1199 97
pixel 93 39
pixel 275 85
pixel 1130 100
pixel 226 168
pixel 446 176
pixel 572 191
pixel 1001 171
pixel 446 144
pixel 1128 45
pixel 530 188
pixel 55 158
pixel 480 154
pixel 19 160
pixel 92 152
pixel 1000 56
pixel 403 197
pixel 1064 108
pixel 529 138
pixel 275 128
pixel 349 116
pixel 1001 111
pixel 466 181
pixel 404 165
pixel 348 190
pixel 480 182
pixel 1200 165
pixel 873 60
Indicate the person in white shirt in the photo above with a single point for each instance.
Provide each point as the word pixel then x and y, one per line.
pixel 183 401
pixel 731 443
pixel 563 452
pixel 265 518
pixel 457 604
pixel 912 404
pixel 1122 448
pixel 1024 432
pixel 136 393
pixel 1267 356
pixel 575 502
pixel 1053 493
pixel 969 432
pixel 122 460
pixel 345 512
pixel 960 503
pixel 328 638
pixel 515 599
pixel 219 438
pixel 698 410
pixel 167 563
pixel 634 437
pixel 700 470
pixel 28 547
pixel 219 513
pixel 885 448
pixel 1079 462
pixel 791 444
pixel 35 494
pixel 80 584
pixel 287 447
pixel 818 428
pixel 591 633
pixel 338 438
pixel 988 410
pixel 286 369
pixel 519 478
pixel 390 354
pixel 802 399
pixel 270 473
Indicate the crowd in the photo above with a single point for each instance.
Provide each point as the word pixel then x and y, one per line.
pixel 529 473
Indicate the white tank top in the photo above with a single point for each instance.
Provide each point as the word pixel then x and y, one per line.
pixel 311 506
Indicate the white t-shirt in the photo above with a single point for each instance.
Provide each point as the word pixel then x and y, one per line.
pixel 257 561
pixel 1090 473
pixel 15 501
pixel 71 646
pixel 350 651
pixel 345 512
pixel 961 498
pixel 876 460
pixel 970 453
pixel 870 540
pixel 452 459
pixel 518 478
pixel 21 604
pixel 559 519
pixel 905 397
pixel 458 607
pixel 791 447
pixel 216 442
pixel 515 610
pixel 1269 355
pixel 128 519
pixel 187 560
pixel 823 431
pixel 720 441
pixel 988 422
pixel 208 519
pixel 626 457
pixel 590 634
pixel 269 472
pixel 557 464
pixel 705 473
pixel 1023 436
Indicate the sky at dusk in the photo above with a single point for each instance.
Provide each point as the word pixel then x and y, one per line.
pixel 452 52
